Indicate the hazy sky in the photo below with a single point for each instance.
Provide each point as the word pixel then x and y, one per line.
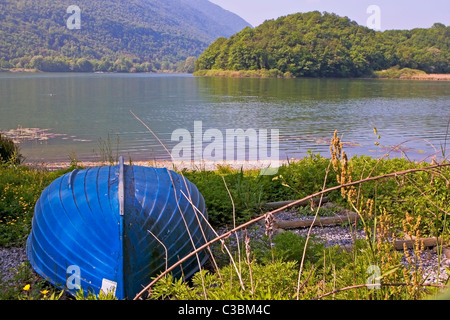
pixel 394 14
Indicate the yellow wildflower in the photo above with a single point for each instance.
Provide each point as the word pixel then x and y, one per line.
pixel 27 287
pixel 44 292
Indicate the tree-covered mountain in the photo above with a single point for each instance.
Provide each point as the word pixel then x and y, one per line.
pixel 151 32
pixel 326 45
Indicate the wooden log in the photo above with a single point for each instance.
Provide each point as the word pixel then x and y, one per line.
pixel 320 221
pixel 446 252
pixel 427 243
pixel 279 204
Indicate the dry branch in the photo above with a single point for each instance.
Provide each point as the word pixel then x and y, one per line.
pixel 427 242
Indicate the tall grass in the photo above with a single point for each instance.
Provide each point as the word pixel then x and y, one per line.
pixel 396 281
pixel 393 279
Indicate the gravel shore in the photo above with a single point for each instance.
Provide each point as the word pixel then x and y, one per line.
pixel 433 264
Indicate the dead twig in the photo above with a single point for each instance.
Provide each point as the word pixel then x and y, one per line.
pixel 161 243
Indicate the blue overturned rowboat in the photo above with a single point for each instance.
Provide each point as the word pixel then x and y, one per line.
pixel 113 228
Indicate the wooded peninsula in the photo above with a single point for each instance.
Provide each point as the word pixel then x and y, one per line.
pixel 318 44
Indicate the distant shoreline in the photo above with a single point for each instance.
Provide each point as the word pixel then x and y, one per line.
pixel 258 74
pixel 428 77
pixel 24 70
pixel 270 74
pixel 20 70
pixel 205 165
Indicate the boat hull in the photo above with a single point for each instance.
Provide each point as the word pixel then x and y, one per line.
pixel 114 228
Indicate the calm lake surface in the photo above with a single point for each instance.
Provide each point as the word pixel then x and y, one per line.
pixel 82 114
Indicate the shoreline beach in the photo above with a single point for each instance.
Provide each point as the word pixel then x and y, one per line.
pixel 243 74
pixel 205 165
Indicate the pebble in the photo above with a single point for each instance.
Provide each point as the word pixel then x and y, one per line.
pixel 333 235
pixel 429 261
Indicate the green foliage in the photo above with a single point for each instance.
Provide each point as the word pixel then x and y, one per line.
pixel 150 34
pixel 397 73
pixel 272 281
pixel 9 151
pixel 187 66
pixel 27 285
pixel 277 276
pixel 269 268
pixel 246 190
pixel 288 246
pixel 20 188
pixel 81 295
pixel 424 194
pixel 325 45
pixel 250 190
pixel 300 178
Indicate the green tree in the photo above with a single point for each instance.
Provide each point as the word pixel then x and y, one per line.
pixel 189 65
pixel 326 45
pixel 84 65
pixel 54 64
pixel 36 62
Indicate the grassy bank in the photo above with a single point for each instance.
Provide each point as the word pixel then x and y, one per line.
pixel 409 74
pixel 391 73
pixel 273 73
pixel 415 204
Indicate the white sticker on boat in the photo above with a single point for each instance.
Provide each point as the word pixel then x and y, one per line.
pixel 109 286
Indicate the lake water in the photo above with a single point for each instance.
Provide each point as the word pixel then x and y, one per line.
pixel 77 114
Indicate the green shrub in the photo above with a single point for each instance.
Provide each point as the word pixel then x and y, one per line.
pixel 397 73
pixel 250 190
pixel 273 281
pixel 9 151
pixel 246 189
pixel 288 246
pixel 20 188
pixel 299 179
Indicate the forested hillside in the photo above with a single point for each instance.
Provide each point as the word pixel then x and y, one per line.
pixel 112 36
pixel 326 45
